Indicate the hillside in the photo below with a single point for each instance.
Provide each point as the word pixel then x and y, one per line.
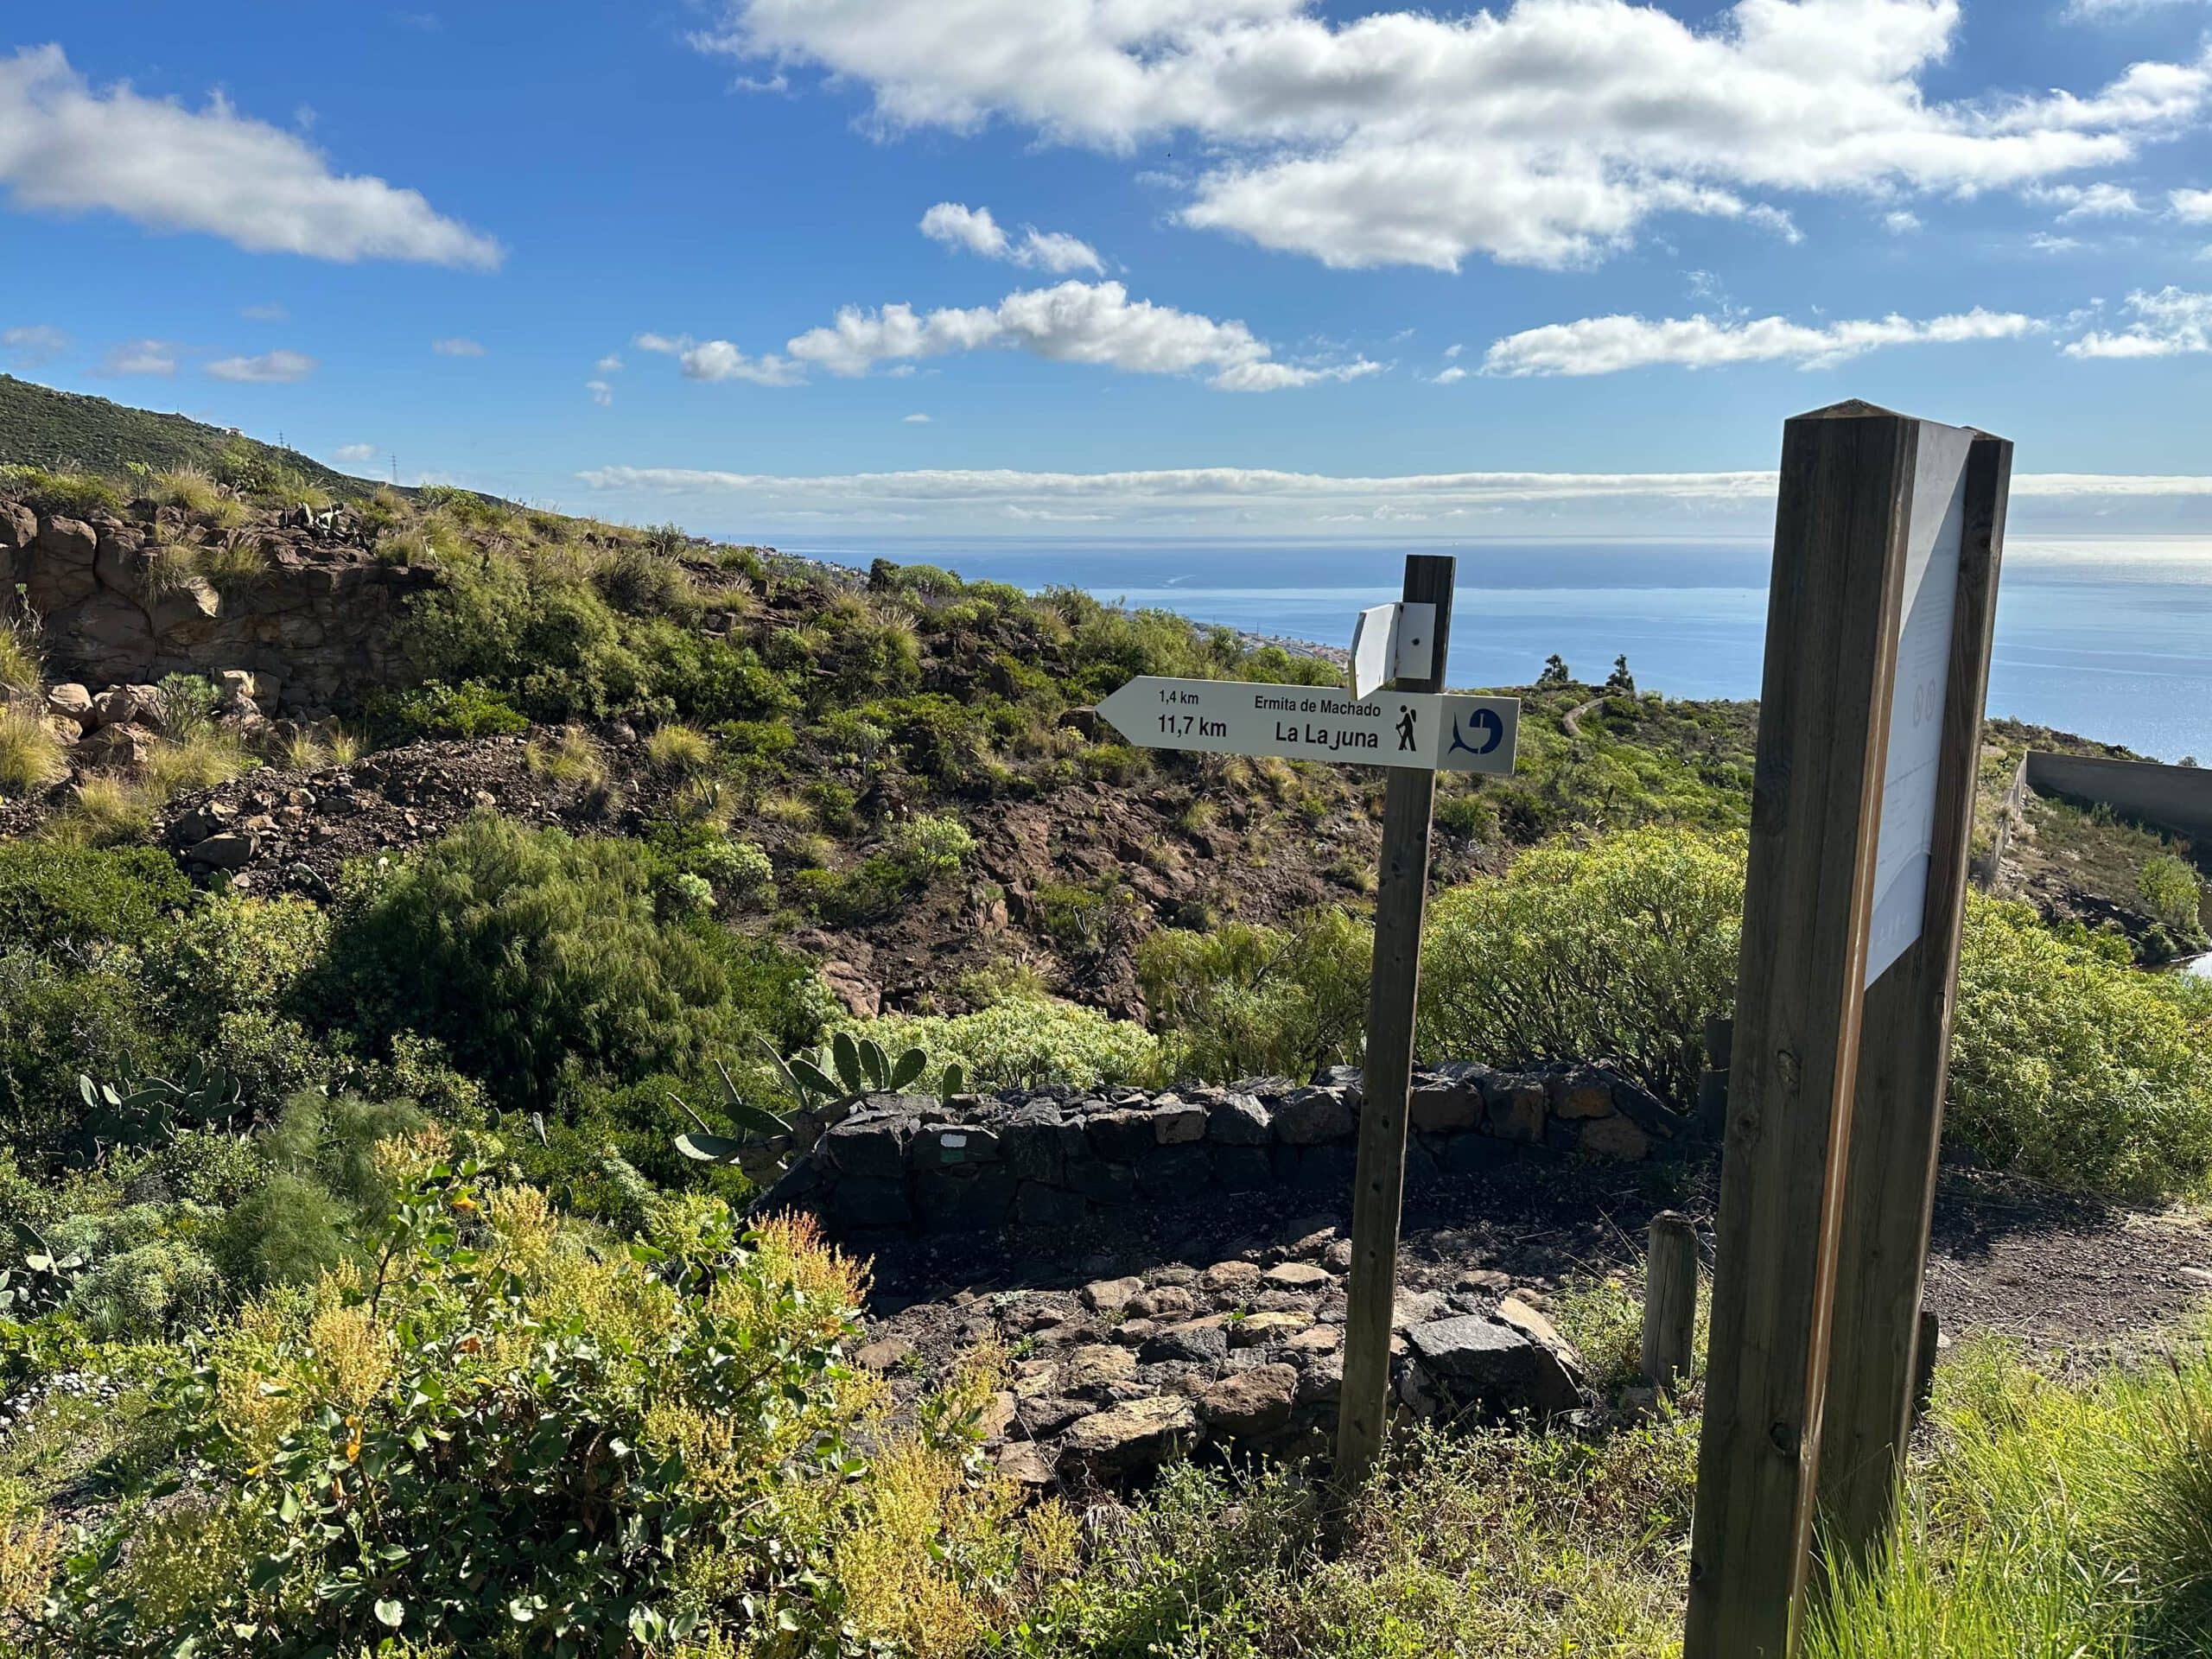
pixel 66 430
pixel 573 1088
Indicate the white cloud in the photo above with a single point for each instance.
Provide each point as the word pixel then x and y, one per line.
pixel 2100 200
pixel 1241 503
pixel 2169 323
pixel 270 368
pixel 1070 322
pixel 1609 345
pixel 66 148
pixel 1547 132
pixel 917 420
pixel 611 364
pixel 2043 241
pixel 457 346
pixel 602 393
pixel 1452 351
pixel 1451 375
pixel 352 454
pixel 265 313
pixel 32 345
pixel 957 225
pixel 1901 222
pixel 2193 206
pixel 141 357
pixel 2091 11
pixel 717 360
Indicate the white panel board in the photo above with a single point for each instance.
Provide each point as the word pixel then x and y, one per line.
pixel 1937 530
pixel 1432 731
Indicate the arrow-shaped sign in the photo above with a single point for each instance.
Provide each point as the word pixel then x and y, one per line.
pixel 1432 731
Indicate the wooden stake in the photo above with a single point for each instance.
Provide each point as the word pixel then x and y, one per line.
pixel 1670 1301
pixel 1832 625
pixel 1897 1113
pixel 1378 1188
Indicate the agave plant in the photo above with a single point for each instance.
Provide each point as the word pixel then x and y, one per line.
pixel 820 1082
pixel 41 1283
pixel 155 1110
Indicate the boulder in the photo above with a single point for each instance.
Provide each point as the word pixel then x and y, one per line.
pixel 1092 1370
pixel 1581 1091
pixel 1469 1362
pixel 119 747
pixel 1260 1330
pixel 883 1355
pixel 1121 1136
pixel 70 541
pixel 1174 1122
pixel 1613 1137
pixel 1251 1403
pixel 1232 1278
pixel 18 524
pixel 1024 1463
pixel 1194 1341
pixel 872 1147
pixel 118 706
pixel 1139 1435
pixel 1515 1110
pixel 1238 1121
pixel 1111 1296
pixel 1442 1102
pixel 1297 1276
pixel 209 818
pixel 70 702
pixel 1306 1117
pixel 228 851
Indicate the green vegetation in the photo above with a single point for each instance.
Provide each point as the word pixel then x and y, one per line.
pixel 1243 1001
pixel 60 430
pixel 2053 1520
pixel 1617 951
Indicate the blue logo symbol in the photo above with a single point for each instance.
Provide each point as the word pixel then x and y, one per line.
pixel 1488 727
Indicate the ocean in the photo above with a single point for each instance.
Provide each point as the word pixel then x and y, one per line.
pixel 2110 639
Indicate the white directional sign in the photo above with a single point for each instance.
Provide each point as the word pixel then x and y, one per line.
pixel 1429 730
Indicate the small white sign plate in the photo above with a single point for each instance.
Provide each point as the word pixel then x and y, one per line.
pixel 1936 535
pixel 1430 730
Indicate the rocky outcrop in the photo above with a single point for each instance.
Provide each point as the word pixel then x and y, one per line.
pixel 1052 1159
pixel 124 601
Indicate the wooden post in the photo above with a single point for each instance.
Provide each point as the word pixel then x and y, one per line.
pixel 1898 1113
pixel 1378 1188
pixel 1670 1301
pixel 1832 616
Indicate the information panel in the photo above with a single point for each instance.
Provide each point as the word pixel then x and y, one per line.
pixel 1937 528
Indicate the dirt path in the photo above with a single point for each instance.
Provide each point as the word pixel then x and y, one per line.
pixel 1571 721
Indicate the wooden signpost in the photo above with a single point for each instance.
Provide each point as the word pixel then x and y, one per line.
pixel 1887 539
pixel 1416 731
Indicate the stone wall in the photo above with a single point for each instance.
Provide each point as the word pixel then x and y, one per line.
pixel 1055 1158
pixel 117 610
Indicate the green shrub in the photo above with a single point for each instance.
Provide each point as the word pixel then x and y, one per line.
pixel 492 1442
pixel 2170 887
pixel 679 751
pixel 1617 951
pixel 227 955
pixel 470 709
pixel 60 898
pixel 22 671
pixel 145 1291
pixel 933 845
pixel 1024 1043
pixel 72 495
pixel 32 759
pixel 2073 1069
pixel 1239 1002
pixel 531 954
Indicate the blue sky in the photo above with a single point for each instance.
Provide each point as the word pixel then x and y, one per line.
pixel 1297 268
